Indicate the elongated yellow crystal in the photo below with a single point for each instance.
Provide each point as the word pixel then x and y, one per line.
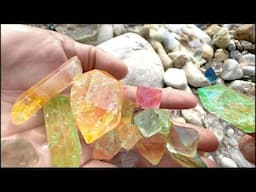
pixel 29 102
pixel 62 134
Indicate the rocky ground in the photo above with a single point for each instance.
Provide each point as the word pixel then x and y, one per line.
pixel 177 56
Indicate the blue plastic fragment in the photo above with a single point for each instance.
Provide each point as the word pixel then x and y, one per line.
pixel 210 75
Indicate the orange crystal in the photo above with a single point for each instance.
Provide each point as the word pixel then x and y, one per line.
pixel 152 148
pixel 96 101
pixel 29 102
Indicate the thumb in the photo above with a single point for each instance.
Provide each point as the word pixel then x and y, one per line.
pixel 95 58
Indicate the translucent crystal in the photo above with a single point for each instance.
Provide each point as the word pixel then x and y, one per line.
pixel 107 146
pixel 96 101
pixel 62 134
pixel 235 108
pixel 152 148
pixel 147 97
pixel 183 141
pixel 29 102
pixel 152 121
pixel 193 162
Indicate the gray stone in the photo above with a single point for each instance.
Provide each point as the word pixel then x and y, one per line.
pixel 244 87
pixel 249 59
pixel 144 66
pixel 194 76
pixel 231 70
pixel 248 70
pixel 235 55
pixel 170 42
pixel 119 29
pixel 232 45
pixel 233 142
pixel 175 78
pixel 247 45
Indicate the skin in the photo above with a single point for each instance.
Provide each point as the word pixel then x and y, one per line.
pixel 29 54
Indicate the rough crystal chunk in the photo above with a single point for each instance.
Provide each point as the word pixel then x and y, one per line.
pixel 62 134
pixel 129 135
pixel 107 146
pixel 148 97
pixel 235 108
pixel 152 148
pixel 193 162
pixel 96 101
pixel 183 141
pixel 29 102
pixel 152 121
pixel 210 75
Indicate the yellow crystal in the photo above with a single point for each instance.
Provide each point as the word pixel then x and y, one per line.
pixel 96 101
pixel 29 102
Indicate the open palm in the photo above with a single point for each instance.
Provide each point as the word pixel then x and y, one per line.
pixel 28 54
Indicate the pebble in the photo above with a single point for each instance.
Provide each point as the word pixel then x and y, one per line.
pixel 175 78
pixel 249 59
pixel 227 162
pixel 248 70
pixel 221 38
pixel 230 132
pixel 235 55
pixel 221 55
pixel 231 70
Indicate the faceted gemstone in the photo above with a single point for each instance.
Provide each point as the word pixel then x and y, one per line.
pixel 107 146
pixel 235 108
pixel 152 121
pixel 128 108
pixel 128 134
pixel 152 148
pixel 18 152
pixel 148 97
pixel 210 75
pixel 183 141
pixel 29 102
pixel 62 134
pixel 96 101
pixel 193 162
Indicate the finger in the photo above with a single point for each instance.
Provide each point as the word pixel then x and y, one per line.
pixel 209 163
pixel 208 142
pixel 247 147
pixel 97 163
pixel 95 58
pixel 171 98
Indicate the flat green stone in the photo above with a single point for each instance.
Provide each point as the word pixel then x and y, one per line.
pixel 226 103
pixel 152 121
pixel 62 134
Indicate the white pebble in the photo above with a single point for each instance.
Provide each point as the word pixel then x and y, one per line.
pixel 227 162
pixel 230 132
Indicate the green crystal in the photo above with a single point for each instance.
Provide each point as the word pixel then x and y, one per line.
pixel 62 134
pixel 152 121
pixel 183 140
pixel 193 162
pixel 226 103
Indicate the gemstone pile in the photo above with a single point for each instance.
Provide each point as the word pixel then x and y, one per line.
pixel 98 110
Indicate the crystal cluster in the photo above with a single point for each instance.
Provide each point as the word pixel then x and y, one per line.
pixel 113 124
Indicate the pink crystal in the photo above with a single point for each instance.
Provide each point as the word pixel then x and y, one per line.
pixel 148 97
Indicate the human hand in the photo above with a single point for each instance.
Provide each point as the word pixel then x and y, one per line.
pixel 247 147
pixel 29 54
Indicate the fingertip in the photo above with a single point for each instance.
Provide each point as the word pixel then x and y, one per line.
pixel 247 147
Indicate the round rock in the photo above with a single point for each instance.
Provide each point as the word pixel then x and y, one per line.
pixel 144 66
pixel 175 78
pixel 231 70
